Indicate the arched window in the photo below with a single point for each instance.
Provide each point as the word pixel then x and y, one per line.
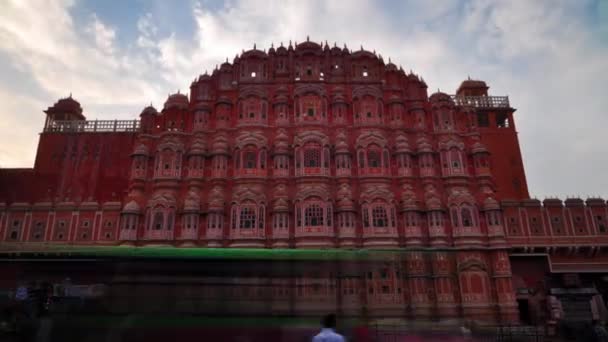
pixel 247 218
pixel 379 216
pixel 157 223
pixel 467 218
pixel 373 158
pixel 312 157
pixel 313 215
pixel 249 159
pixel 168 163
pixel 262 159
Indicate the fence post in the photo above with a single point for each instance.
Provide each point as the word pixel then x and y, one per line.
pixel 115 123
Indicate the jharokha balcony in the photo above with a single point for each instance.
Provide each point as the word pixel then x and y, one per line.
pixel 254 173
pixel 482 101
pixel 374 172
pixel 71 126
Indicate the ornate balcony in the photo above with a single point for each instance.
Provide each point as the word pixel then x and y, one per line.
pixel 482 101
pixel 427 172
pixel 159 234
pixel 312 171
pixel 374 172
pixel 189 234
pixel 250 173
pixel 99 126
pixel 128 235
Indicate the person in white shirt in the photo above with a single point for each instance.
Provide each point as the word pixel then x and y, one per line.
pixel 328 333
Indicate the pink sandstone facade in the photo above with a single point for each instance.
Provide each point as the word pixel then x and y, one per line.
pixel 312 146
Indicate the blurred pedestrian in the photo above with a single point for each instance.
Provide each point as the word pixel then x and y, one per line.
pixel 328 332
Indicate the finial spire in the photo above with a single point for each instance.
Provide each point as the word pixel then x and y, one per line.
pixel 70 94
pixel 281 44
pixel 254 46
pixel 307 38
pixel 272 45
pixel 389 60
pixel 469 77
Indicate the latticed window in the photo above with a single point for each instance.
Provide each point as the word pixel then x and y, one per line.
pixel 250 160
pixel 379 216
pixel 454 215
pixel 157 223
pixel 247 218
pixel 467 219
pixel 313 215
pixel 373 158
pixel 312 157
pixel 365 218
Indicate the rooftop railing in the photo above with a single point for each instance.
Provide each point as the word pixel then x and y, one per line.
pixel 71 126
pixel 482 101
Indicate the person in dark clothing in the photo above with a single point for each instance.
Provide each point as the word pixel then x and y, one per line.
pixel 599 332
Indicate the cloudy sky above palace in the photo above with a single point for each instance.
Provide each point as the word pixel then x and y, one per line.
pixel 550 57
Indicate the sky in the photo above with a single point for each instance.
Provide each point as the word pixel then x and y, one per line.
pixel 115 57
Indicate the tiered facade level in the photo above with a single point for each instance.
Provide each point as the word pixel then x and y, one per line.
pixel 311 146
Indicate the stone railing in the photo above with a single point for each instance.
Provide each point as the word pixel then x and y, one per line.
pixel 482 101
pixel 72 126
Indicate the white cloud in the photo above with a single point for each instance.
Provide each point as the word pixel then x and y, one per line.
pixel 540 53
pixel 103 35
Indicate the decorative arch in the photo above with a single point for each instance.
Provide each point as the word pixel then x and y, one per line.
pixel 312 155
pixel 373 157
pixel 453 160
pixel 378 213
pixel 474 281
pixel 248 213
pixel 161 217
pixel 252 110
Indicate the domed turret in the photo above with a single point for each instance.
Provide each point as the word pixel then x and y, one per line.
pixel 471 87
pixel 177 100
pixel 65 109
pixel 150 110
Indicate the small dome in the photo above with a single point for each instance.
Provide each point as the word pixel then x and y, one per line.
pixel 281 50
pixel 433 203
pixel 341 144
pixel 141 150
pixel 363 53
pixel 254 53
pixel 281 204
pixel 177 100
pixel 473 84
pixel 281 144
pixel 66 106
pixel 439 96
pixel 408 199
pixel 131 207
pixel 344 197
pixel 198 146
pixel 150 110
pixel 478 147
pixel 401 144
pixel 192 202
pixel 423 145
pixel 491 204
pixel 391 67
pixel 220 145
pixel 308 45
